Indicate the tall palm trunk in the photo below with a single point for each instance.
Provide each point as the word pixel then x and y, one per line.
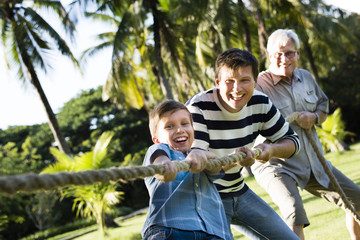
pixel 164 82
pixel 53 123
pixel 245 24
pixel 262 33
pixel 310 56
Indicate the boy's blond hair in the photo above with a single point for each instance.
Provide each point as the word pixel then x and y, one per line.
pixel 167 106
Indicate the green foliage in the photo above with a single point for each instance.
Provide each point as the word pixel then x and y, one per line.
pixel 13 217
pixel 42 210
pixel 332 132
pixel 94 200
pixel 78 224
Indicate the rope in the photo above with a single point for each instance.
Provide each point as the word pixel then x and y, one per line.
pixel 34 182
pixel 348 206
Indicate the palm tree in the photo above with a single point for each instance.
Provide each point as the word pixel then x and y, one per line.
pixel 332 133
pixel 25 35
pixel 94 200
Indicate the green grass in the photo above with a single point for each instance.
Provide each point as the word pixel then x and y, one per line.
pixel 326 220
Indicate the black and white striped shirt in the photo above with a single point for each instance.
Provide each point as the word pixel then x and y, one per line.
pixel 222 132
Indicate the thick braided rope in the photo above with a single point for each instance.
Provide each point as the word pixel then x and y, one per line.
pixel 350 208
pixel 34 182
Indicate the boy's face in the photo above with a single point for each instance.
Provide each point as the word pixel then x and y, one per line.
pixel 235 87
pixel 175 129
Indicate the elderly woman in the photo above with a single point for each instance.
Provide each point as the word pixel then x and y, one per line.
pixel 295 90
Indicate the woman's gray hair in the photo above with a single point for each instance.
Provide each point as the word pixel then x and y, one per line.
pixel 280 37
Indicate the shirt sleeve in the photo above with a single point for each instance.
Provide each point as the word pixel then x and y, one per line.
pixel 201 133
pixel 155 151
pixel 277 129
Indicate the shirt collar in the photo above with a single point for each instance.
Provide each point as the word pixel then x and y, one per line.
pixel 276 78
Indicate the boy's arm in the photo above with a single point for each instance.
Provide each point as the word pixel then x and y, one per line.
pixel 170 169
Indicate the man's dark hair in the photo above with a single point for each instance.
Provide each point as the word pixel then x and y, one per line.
pixel 235 58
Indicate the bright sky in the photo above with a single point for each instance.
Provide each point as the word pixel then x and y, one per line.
pixel 22 106
pixel 20 103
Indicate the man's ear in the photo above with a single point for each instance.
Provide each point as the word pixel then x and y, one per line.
pixel 155 140
pixel 217 82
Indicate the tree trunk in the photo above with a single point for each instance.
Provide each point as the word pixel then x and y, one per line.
pixel 164 83
pixel 53 123
pixel 245 24
pixel 262 33
pixel 310 56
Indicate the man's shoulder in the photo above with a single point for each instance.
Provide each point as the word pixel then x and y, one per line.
pixel 258 97
pixel 259 93
pixel 201 96
pixel 264 74
pixel 302 72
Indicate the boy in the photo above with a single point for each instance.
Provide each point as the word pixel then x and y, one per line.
pixel 183 205
pixel 228 119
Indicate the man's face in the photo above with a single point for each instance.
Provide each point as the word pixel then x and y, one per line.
pixel 175 129
pixel 283 61
pixel 235 88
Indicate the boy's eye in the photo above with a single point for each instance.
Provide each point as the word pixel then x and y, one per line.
pixel 168 126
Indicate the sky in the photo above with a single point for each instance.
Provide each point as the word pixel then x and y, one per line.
pixel 20 103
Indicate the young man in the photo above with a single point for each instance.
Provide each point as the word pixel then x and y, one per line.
pixel 183 205
pixel 294 90
pixel 227 119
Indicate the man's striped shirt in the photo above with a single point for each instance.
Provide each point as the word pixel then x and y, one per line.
pixel 222 132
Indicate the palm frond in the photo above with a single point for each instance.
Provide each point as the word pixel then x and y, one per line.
pixel 43 26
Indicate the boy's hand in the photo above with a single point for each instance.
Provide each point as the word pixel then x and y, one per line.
pixel 170 170
pixel 250 156
pixel 198 159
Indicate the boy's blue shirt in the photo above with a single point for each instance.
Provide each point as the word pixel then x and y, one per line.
pixel 189 202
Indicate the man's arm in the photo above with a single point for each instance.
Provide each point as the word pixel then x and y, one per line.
pixel 307 120
pixel 282 149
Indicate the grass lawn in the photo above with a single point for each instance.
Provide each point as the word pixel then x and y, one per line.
pixel 326 220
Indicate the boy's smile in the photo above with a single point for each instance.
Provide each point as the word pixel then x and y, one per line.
pixel 175 129
pixel 235 88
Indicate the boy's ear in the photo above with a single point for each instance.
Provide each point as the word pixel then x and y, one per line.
pixel 155 140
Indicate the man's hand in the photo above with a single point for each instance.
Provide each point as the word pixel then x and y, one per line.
pixel 306 120
pixel 250 156
pixel 266 153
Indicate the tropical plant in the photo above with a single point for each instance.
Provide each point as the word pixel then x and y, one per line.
pixel 332 133
pixel 94 200
pixel 28 38
pixel 14 222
